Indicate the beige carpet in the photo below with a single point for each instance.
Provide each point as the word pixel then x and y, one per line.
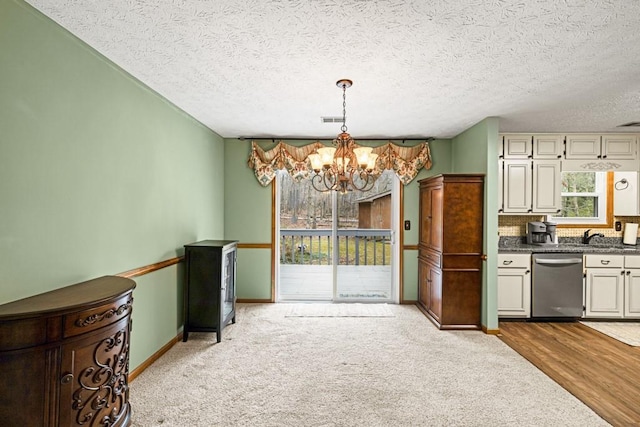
pixel 275 370
pixel 339 310
pixel 626 332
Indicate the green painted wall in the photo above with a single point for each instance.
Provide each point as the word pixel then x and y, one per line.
pixel 98 174
pixel 482 140
pixel 247 209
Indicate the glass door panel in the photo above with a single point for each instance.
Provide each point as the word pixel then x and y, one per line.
pixel 305 219
pixel 364 241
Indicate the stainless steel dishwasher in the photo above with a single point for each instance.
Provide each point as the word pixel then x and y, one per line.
pixel 556 285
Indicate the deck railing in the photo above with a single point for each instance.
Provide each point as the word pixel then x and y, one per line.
pixel 355 247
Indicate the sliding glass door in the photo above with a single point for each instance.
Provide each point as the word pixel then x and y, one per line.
pixel 336 247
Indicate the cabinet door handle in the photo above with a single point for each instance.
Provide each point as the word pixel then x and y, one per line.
pixel 527 272
pixel 604 157
pixel 628 272
pixel 507 262
pixel 622 272
pixel 66 379
pixel 604 261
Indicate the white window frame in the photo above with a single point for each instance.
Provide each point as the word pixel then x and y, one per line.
pixel 600 193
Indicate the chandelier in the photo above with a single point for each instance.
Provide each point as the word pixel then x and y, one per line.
pixel 343 167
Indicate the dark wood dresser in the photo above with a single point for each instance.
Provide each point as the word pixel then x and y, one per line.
pixel 450 250
pixel 64 356
pixel 210 287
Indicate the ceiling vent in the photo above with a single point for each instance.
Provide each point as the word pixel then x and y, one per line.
pixel 331 119
pixel 630 125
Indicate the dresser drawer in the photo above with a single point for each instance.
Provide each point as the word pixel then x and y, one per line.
pixel 603 261
pixel 514 261
pixel 98 317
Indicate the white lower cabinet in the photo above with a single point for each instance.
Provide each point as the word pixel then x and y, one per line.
pixel 632 287
pixel 605 292
pixel 514 285
pixel 612 286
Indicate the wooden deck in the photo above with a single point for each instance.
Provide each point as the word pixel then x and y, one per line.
pixel 314 282
pixel 600 371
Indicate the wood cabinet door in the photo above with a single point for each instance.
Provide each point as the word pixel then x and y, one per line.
pixel 435 293
pixel 517 146
pixel 548 146
pixel 423 283
pixel 632 294
pixel 619 147
pixel 583 147
pixel 94 385
pixel 547 186
pixel 514 292
pixel 605 292
pixel 517 186
pixel 425 216
pixel 431 217
pixel 436 218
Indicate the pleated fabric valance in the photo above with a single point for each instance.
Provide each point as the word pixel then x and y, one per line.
pixel 405 161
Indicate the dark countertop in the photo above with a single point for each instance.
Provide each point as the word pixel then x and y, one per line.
pixel 603 245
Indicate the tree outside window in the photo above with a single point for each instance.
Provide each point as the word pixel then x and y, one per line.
pixel 584 198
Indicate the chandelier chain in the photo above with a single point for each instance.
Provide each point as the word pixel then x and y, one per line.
pixel 343 128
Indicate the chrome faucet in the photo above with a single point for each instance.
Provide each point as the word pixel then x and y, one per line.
pixel 586 238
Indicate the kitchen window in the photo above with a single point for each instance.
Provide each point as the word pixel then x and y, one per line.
pixel 586 199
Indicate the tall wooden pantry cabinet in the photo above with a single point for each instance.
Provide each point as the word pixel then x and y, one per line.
pixel 210 287
pixel 450 250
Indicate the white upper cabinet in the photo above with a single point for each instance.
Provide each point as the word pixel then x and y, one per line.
pixel 518 146
pixel 583 147
pixel 547 186
pixel 625 194
pixel 516 197
pixel 548 146
pixel 594 147
pixel 619 146
pixel 530 186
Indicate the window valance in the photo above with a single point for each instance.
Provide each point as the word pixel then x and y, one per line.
pixel 405 161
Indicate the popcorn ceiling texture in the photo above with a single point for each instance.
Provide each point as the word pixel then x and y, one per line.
pixel 420 68
pixel 516 225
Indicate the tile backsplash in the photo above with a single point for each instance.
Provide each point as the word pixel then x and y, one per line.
pixel 516 225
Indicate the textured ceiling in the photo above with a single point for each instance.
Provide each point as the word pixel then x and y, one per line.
pixel 248 68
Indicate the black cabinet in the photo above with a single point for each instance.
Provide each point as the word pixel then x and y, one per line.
pixel 210 286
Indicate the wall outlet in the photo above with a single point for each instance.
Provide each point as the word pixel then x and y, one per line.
pixel 618 226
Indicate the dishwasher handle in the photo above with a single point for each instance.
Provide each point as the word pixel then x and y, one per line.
pixel 555 261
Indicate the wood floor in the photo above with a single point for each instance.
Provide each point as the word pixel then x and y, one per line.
pixel 600 371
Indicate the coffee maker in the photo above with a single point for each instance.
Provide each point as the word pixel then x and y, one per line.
pixel 541 233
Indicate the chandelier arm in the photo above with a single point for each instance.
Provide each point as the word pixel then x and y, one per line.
pixel 367 182
pixel 317 180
